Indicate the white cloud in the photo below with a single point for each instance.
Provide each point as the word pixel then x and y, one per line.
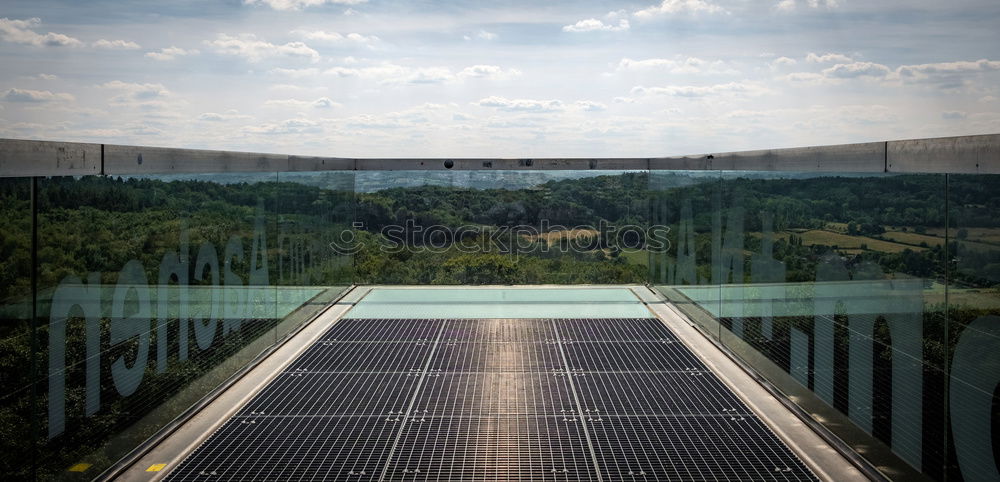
pixel 842 72
pixel 100 133
pixel 783 62
pixel 290 88
pixel 300 4
pixel 252 49
pixel 822 3
pixel 521 105
pixel 668 7
pixel 137 91
pixel 20 31
pixel 690 65
pixel 785 5
pixel 285 127
pixel 511 123
pixel 695 91
pixel 223 117
pixel 151 105
pixel 944 72
pixel 923 71
pixel 296 103
pixel 421 75
pixel 805 77
pixel 320 103
pixel 590 106
pixel 295 73
pixel 829 57
pixel 368 121
pixel 337 38
pixel 417 117
pixel 144 130
pixel 593 24
pixel 116 45
pixel 917 84
pixel 325 103
pixel 35 96
pixel 44 77
pixel 629 64
pixel 397 74
pixel 66 110
pixel 170 53
pixel 493 72
pixel 790 5
pixel 820 117
pixel 145 97
pixel 954 115
pixel 392 74
pixel 857 69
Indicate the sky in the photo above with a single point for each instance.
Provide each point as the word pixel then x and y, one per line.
pixel 374 78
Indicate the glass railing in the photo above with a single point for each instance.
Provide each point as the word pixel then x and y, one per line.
pixel 127 299
pixel 131 289
pixel 507 227
pixel 870 300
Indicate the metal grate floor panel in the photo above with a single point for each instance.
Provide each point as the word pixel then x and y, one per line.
pixel 384 329
pixel 691 448
pixel 329 356
pixel 492 448
pixel 496 357
pixel 498 330
pixel 334 394
pixel 618 399
pixel 484 394
pixel 614 329
pixel 615 356
pixel 292 448
pixel 669 393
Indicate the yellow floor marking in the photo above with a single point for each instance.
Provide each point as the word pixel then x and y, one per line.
pixel 156 467
pixel 81 467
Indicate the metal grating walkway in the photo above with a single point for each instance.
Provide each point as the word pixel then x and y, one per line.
pixel 494 399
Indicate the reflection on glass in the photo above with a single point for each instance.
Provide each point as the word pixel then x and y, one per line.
pixel 150 291
pixel 833 287
pixel 147 287
pixel 685 205
pixel 19 405
pixel 871 300
pixel 973 238
pixel 501 227
pixel 315 212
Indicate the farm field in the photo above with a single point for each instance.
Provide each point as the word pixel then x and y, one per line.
pixel 849 244
pixel 553 237
pixel 981 235
pixel 913 238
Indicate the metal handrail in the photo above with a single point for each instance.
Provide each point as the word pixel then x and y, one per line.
pixel 979 154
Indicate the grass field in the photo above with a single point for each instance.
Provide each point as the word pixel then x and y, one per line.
pixel 849 244
pixel 637 257
pixel 981 235
pixel 837 227
pixel 913 238
pixel 553 237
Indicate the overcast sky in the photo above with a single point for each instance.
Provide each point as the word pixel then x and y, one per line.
pixel 498 79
